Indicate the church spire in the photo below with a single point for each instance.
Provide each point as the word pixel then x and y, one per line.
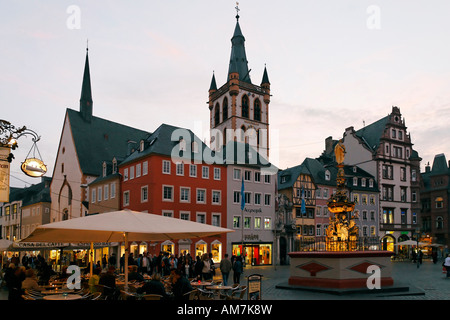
pixel 86 94
pixel 238 58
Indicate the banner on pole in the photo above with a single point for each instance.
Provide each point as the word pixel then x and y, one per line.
pixel 4 174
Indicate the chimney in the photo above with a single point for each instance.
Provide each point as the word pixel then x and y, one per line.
pixel 428 168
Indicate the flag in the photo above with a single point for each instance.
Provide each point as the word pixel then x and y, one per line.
pixel 242 195
pixel 303 208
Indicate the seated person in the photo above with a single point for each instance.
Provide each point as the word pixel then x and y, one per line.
pixel 154 286
pixel 63 275
pixel 108 279
pixel 180 286
pixel 94 280
pixel 133 274
pixel 30 281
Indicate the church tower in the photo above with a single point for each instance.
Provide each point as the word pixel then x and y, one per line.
pixel 239 109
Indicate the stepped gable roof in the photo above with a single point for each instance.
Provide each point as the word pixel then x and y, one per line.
pixel 100 139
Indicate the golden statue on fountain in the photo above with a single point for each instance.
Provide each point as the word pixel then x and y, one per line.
pixel 342 232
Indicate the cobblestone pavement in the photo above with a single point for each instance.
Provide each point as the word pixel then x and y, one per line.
pixel 427 279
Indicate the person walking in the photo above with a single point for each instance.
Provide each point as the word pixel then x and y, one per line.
pixel 206 270
pixel 237 269
pixel 225 268
pixel 419 258
pixel 446 264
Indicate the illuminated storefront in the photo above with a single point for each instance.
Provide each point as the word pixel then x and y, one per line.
pixel 255 254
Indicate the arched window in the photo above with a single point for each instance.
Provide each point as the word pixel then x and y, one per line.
pixel 65 215
pixel 225 109
pixel 244 106
pixel 439 223
pixel 257 110
pixel 217 115
pixel 242 134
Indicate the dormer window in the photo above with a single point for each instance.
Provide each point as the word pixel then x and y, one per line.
pixel 182 144
pixel 354 169
pixel 142 145
pixel 327 175
pixel 114 166
pixel 104 169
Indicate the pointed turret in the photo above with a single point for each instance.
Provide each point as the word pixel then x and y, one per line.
pixel 265 84
pixel 212 89
pixel 86 93
pixel 238 58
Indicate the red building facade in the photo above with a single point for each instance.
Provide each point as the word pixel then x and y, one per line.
pixel 155 181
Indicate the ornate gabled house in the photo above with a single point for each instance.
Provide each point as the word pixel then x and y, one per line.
pixel 434 197
pixel 86 141
pixel 384 149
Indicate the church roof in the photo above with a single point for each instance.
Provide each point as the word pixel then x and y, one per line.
pixel 238 58
pixel 100 139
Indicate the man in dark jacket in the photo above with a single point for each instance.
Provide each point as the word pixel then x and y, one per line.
pixel 180 286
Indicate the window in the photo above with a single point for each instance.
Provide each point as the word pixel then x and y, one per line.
pixel 318 230
pixel 192 170
pixel 370 183
pixel 144 194
pixel 372 215
pixel 403 191
pixel 413 175
pixel 184 194
pixel 266 178
pixel 394 135
pixel 248 197
pixel 356 198
pixel 93 195
pixel 216 115
pixel 388 215
pixel 205 172
pixel 327 175
pixel 99 194
pixel 168 214
pixel 257 222
pixel 145 168
pixel 216 220
pixel 257 176
pixel 194 146
pixel 403 216
pixel 387 172
pixel 387 193
pixel 355 181
pixel 113 190
pixel 225 109
pixel 325 193
pixel 247 222
pixel 216 197
pixel 126 198
pixel 258 198
pixel 257 110
pixel 236 197
pixel 166 167
pixel 398 152
pixel 403 173
pixel 168 193
pixel 125 174
pixel 201 218
pixel 216 173
pixel 180 169
pixel 372 200
pixel 106 194
pixel 236 222
pixel 138 170
pixel 201 196
pixel 267 199
pixel 245 106
pixel 414 218
pixel 185 216
pixel 414 196
pixel 363 182
pixel 131 172
pixel 247 175
pixel 237 174
pixel 267 223
pixel 364 215
pixel 439 202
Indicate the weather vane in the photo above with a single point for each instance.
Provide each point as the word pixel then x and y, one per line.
pixel 237 10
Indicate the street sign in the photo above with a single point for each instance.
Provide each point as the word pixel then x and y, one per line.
pixel 254 286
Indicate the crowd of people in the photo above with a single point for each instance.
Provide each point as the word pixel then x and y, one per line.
pixel 33 273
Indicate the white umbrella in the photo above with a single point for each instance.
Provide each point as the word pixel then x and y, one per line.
pixel 410 243
pixel 4 244
pixel 124 225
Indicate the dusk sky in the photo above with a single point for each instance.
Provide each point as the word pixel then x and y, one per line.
pixel 332 64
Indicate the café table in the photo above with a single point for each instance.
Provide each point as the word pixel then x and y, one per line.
pixel 217 288
pixel 62 297
pixel 54 291
pixel 201 283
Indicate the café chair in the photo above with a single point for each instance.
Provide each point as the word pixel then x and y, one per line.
pixel 95 296
pixel 27 297
pixel 127 295
pixel 191 295
pixel 238 294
